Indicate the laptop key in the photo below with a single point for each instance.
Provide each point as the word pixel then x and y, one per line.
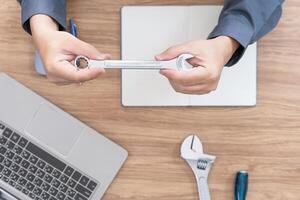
pixel 37 191
pixel 76 176
pixel 55 183
pixel 48 178
pixel 33 159
pixel 56 173
pixel 29 186
pixel 37 181
pixel 23 142
pixel 22 181
pixel 25 164
pixel 40 173
pixel 30 177
pixel 69 170
pixel 63 188
pixel 1 167
pixel 15 137
pixel 82 190
pixel 2 150
pixel 45 186
pixel 15 167
pixel 84 180
pixel 71 192
pixel 92 185
pixel 14 177
pixel 61 196
pixel 17 159
pixel 7 132
pixel 53 191
pixel 49 169
pixel 64 178
pixel 2 126
pixel 9 154
pixel 32 169
pixel 5 179
pixel 22 172
pixel 18 187
pixel 6 172
pixel 45 196
pixel 31 195
pixel 10 145
pixel 7 162
pixel 41 164
pixel 25 154
pixel 3 140
pixel 25 191
pixel 17 149
pixel 71 183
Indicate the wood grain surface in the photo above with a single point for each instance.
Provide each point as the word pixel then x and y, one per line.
pixel 264 140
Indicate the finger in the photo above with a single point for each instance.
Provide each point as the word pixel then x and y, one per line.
pixel 68 72
pixel 195 76
pixel 172 52
pixel 80 47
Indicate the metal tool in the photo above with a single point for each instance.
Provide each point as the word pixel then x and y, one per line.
pixel 82 62
pixel 241 185
pixel 192 152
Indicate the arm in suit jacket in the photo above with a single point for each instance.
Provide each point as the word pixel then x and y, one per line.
pixel 56 9
pixel 247 21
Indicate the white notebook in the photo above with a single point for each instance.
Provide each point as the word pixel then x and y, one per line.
pixel 148 30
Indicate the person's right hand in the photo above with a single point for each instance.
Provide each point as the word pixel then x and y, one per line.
pixel 58 49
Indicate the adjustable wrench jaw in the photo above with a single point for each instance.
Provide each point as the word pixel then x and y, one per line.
pixel 192 152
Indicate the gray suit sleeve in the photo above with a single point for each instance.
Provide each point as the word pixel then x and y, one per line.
pixel 53 8
pixel 247 21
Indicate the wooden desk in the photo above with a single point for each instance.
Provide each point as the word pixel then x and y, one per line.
pixel 264 140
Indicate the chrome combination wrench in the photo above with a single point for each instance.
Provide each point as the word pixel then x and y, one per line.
pixel 82 62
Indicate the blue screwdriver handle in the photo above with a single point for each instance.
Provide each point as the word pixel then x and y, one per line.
pixel 241 185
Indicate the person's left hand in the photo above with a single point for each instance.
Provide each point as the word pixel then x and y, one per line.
pixel 209 58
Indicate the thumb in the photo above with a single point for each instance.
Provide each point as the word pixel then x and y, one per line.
pixel 171 53
pixel 80 47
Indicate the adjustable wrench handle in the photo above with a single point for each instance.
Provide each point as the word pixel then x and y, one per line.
pixel 203 188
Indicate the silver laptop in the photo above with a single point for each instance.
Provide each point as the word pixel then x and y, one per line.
pixel 47 154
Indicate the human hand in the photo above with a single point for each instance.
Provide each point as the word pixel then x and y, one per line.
pixel 59 48
pixel 210 56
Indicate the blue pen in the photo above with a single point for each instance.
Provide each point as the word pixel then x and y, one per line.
pixel 73 27
pixel 39 67
pixel 241 185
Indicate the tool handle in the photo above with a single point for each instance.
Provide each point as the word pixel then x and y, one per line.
pixel 241 185
pixel 203 189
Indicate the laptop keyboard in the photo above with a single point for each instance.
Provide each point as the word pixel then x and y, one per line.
pixel 37 173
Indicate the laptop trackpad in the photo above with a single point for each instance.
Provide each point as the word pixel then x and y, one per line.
pixel 57 130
